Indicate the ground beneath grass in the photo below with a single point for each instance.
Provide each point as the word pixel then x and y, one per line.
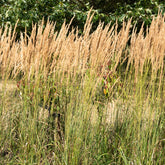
pixel 8 86
pixel 8 91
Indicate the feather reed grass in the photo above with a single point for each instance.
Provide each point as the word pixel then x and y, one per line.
pixel 62 73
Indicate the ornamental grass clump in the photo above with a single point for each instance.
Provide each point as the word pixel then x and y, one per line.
pixel 94 98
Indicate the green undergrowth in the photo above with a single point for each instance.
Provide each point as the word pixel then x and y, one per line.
pixel 71 119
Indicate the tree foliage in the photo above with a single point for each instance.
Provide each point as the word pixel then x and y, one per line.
pixel 32 11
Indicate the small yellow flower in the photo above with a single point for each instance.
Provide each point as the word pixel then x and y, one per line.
pixel 105 92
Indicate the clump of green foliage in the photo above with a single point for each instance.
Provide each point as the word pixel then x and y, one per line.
pixel 30 12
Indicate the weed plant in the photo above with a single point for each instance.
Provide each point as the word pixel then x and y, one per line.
pixel 89 99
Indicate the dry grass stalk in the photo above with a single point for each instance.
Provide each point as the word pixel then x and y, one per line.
pixel 47 51
pixel 149 48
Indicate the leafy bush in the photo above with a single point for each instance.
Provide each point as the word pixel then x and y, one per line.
pixel 141 12
pixel 30 12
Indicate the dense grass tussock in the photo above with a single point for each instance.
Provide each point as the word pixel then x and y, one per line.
pixel 95 98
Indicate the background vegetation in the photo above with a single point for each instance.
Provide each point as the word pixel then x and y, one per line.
pixel 31 11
